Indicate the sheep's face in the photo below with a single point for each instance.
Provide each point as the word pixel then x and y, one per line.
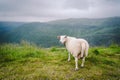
pixel 62 39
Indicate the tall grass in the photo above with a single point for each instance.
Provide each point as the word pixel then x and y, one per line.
pixel 11 52
pixel 27 61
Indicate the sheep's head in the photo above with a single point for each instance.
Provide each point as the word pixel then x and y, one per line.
pixel 62 38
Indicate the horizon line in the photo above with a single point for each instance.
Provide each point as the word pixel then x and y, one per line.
pixel 56 19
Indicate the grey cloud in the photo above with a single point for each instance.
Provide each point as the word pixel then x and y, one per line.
pixel 77 4
pixel 43 10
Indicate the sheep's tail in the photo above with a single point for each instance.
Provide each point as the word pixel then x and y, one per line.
pixel 86 50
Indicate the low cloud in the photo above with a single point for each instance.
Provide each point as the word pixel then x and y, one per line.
pixel 46 10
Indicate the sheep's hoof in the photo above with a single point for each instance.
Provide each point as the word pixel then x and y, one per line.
pixel 82 66
pixel 68 60
pixel 76 69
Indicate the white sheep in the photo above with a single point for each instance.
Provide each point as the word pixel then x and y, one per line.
pixel 75 46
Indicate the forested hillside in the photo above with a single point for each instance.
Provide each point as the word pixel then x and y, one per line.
pixel 102 31
pixel 6 27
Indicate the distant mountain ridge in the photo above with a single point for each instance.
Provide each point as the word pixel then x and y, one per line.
pixel 103 31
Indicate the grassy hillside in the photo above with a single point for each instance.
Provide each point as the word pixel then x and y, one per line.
pixel 26 61
pixel 98 32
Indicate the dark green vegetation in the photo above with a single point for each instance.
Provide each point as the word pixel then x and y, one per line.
pixel 102 31
pixel 6 28
pixel 26 61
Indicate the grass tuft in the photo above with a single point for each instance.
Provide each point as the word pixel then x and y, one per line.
pixel 26 61
pixel 96 52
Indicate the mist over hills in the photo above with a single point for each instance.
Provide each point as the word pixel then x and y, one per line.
pixel 6 27
pixel 103 31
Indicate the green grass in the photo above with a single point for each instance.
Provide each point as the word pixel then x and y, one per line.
pixel 29 62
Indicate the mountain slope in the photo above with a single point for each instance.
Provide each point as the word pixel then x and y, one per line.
pixel 6 27
pixel 102 31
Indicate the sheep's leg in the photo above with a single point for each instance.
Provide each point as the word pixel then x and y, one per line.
pixel 83 61
pixel 69 56
pixel 76 63
pixel 79 56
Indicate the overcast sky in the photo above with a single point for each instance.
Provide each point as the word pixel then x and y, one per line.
pixel 46 10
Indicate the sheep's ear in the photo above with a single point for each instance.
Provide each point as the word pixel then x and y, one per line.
pixel 65 36
pixel 58 37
